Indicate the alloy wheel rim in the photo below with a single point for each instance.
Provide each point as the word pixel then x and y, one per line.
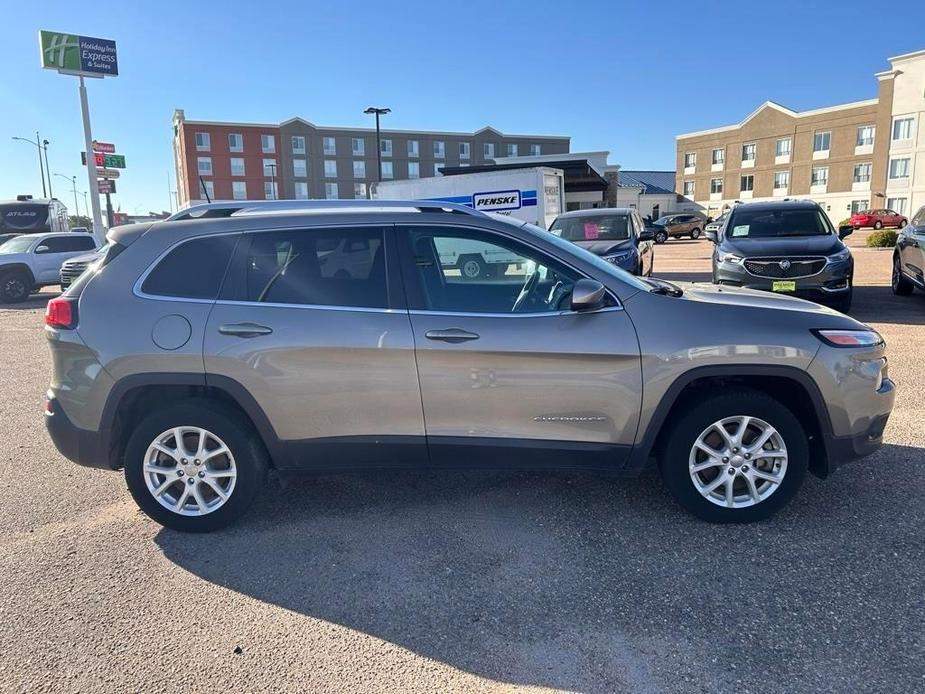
pixel 14 288
pixel 190 471
pixel 738 462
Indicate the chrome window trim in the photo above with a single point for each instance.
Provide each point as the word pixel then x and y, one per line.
pixel 316 307
pixel 535 314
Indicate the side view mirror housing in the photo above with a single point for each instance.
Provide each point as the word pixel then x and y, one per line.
pixel 42 249
pixel 844 231
pixel 711 235
pixel 587 294
pixel 646 235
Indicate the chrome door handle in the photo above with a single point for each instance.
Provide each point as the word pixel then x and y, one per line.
pixel 453 335
pixel 244 329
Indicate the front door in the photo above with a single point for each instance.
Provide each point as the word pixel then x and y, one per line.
pixel 503 363
pixel 310 324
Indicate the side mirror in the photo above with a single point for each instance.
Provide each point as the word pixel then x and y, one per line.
pixel 42 249
pixel 587 294
pixel 711 235
pixel 647 235
pixel 844 231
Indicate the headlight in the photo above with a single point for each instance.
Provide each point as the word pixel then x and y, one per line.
pixel 617 258
pixel 849 338
pixel 729 258
pixel 841 256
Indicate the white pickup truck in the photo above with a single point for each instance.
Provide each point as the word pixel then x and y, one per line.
pixel 31 261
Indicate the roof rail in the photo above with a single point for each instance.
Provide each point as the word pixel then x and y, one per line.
pixel 264 207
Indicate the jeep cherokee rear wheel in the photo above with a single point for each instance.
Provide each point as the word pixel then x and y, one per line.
pixel 194 467
pixel 735 457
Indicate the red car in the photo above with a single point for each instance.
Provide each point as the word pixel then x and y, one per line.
pixel 878 219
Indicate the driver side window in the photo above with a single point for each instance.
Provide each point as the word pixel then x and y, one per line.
pixel 470 271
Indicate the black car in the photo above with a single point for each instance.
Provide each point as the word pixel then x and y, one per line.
pixel 909 256
pixel 786 246
pixel 617 234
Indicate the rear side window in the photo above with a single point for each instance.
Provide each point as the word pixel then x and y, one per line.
pixel 67 244
pixel 322 267
pixel 192 270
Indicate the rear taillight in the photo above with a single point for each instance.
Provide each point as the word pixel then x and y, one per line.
pixel 61 313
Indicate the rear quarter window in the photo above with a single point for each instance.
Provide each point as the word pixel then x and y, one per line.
pixel 193 270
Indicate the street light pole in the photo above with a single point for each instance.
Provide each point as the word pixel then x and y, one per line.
pixel 73 180
pixel 47 167
pixel 38 146
pixel 378 112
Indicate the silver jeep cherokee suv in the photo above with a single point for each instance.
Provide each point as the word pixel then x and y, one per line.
pixel 322 336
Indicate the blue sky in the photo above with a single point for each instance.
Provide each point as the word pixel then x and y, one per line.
pixel 624 76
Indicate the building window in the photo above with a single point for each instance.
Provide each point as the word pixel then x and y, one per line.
pixel 359 146
pixel 689 189
pixel 862 173
pixel 387 169
pixel 301 190
pixel 359 191
pixel 237 166
pixel 488 150
pixel 414 169
pixel 269 168
pixel 204 165
pixel 235 142
pixel 898 205
pixel 902 129
pixel 690 160
pixel 719 156
pixel 330 191
pixel 822 141
pixel 512 150
pixel 330 147
pixel 359 169
pixel 535 150
pixel 865 135
pixel 820 176
pixel 858 205
pixel 439 150
pixel 203 142
pixel 330 168
pixel 270 190
pixel 783 147
pixel 385 146
pixel 748 152
pixel 899 168
pixel 747 183
pixel 413 149
pixel 464 150
pixel 206 190
pixel 298 144
pixel 299 168
pixel 239 190
pixel 268 144
pixel 716 185
pixel 781 180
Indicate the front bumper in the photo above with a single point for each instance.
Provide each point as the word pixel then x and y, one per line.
pixel 832 283
pixel 81 446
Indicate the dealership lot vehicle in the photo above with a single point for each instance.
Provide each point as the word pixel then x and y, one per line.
pixel 543 369
pixel 31 261
pixel 676 225
pixel 878 219
pixel 617 235
pixel 74 267
pixel 909 257
pixel 788 247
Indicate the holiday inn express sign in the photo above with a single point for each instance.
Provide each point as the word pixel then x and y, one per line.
pixel 78 55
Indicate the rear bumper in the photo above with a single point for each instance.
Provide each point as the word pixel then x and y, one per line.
pixel 81 446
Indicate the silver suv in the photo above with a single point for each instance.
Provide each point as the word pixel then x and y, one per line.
pixel 203 350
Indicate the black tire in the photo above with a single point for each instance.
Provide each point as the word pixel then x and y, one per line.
pixel 233 429
pixel 695 234
pixel 902 224
pixel 15 286
pixel 472 267
pixel 661 236
pixel 899 283
pixel 878 225
pixel 684 430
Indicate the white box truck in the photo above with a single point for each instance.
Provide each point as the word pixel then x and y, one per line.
pixel 535 195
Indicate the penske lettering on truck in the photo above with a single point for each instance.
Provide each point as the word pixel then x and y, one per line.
pixel 495 201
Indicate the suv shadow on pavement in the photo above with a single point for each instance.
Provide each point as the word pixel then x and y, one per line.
pixel 585 583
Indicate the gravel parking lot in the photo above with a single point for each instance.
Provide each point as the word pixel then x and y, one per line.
pixel 449 582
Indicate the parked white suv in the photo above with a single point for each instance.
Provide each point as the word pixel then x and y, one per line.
pixel 31 261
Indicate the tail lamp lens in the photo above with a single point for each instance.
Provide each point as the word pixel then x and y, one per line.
pixel 61 313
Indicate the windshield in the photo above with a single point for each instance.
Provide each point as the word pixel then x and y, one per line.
pixel 663 220
pixel 19 244
pixel 593 228
pixel 777 223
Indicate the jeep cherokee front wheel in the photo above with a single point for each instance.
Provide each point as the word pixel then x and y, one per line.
pixel 735 457
pixel 194 467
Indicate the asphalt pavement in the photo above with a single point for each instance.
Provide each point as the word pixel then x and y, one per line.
pixel 429 582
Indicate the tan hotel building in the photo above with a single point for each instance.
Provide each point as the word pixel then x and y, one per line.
pixel 866 154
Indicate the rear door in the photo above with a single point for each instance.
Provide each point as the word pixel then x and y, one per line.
pixel 504 364
pixel 311 324
pixel 52 251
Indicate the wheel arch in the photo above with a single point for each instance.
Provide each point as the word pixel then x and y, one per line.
pixel 12 267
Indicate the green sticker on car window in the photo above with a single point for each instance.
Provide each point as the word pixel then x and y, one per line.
pixel 741 230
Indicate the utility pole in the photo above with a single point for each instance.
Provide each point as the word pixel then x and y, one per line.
pixel 378 111
pixel 47 167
